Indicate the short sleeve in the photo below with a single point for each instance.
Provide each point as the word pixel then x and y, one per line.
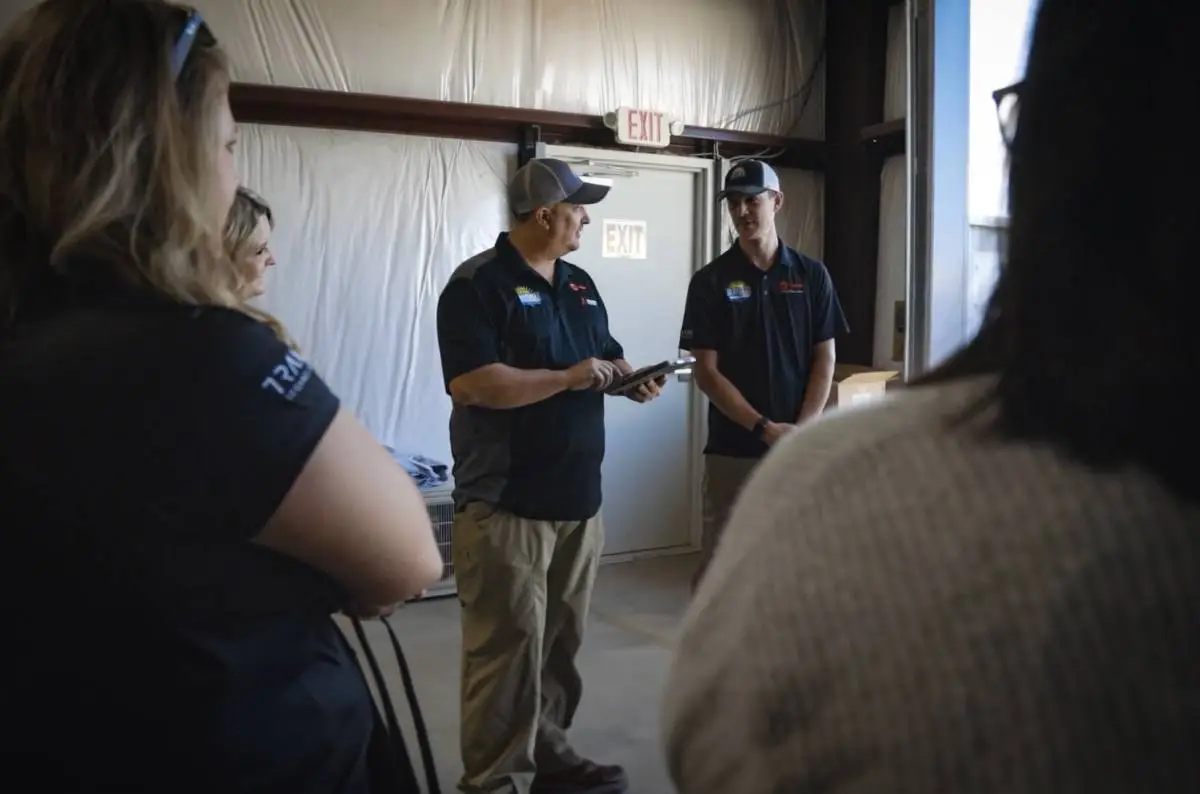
pixel 467 334
pixel 251 413
pixel 828 319
pixel 699 331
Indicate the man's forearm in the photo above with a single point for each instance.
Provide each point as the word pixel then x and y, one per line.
pixel 726 397
pixel 816 393
pixel 499 386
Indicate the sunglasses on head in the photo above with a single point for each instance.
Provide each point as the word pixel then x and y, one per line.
pixel 186 41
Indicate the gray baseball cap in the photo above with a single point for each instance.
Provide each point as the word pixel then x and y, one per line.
pixel 544 182
pixel 749 178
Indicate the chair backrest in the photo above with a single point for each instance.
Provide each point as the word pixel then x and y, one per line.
pixel 392 766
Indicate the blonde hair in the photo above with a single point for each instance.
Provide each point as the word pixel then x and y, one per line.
pixel 247 210
pixel 107 155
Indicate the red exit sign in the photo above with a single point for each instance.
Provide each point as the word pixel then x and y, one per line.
pixel 636 127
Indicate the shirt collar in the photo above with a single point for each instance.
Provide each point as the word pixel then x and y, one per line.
pixel 787 258
pixel 512 257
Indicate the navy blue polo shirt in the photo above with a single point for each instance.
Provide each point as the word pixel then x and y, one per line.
pixel 143 447
pixel 763 325
pixel 541 461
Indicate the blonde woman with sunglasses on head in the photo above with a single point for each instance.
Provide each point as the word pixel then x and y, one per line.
pixel 184 501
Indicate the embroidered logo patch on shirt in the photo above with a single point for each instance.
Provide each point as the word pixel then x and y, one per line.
pixel 786 287
pixel 528 297
pixel 737 291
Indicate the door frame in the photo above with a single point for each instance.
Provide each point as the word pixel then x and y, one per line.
pixel 939 60
pixel 707 230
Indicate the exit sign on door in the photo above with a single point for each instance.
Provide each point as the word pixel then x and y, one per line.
pixel 623 239
pixel 642 128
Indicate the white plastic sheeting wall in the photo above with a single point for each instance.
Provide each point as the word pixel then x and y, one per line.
pixel 895 88
pixel 739 64
pixel 720 63
pixel 801 220
pixel 891 282
pixel 893 200
pixel 368 229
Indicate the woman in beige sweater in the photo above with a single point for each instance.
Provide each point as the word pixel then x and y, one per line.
pixel 990 584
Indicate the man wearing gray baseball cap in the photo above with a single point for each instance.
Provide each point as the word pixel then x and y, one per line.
pixel 761 320
pixel 526 355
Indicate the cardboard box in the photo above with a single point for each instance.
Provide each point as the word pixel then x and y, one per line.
pixel 854 384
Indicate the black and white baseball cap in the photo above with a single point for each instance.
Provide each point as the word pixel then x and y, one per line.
pixel 544 182
pixel 749 178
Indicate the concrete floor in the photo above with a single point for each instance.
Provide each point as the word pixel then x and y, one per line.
pixel 636 608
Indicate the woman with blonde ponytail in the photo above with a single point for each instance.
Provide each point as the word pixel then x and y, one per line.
pixel 247 243
pixel 185 503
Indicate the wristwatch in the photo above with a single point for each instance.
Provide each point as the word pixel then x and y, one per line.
pixel 760 427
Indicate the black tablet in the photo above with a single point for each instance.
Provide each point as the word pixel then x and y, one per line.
pixel 636 378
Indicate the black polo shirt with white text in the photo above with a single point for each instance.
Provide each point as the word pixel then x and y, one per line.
pixel 144 445
pixel 540 461
pixel 763 325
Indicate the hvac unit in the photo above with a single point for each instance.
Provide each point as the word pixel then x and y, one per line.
pixel 440 504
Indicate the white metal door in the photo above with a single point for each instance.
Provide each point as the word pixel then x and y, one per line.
pixel 645 240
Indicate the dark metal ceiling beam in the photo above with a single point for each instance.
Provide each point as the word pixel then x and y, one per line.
pixel 302 107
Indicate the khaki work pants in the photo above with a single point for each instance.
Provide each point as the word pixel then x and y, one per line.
pixel 524 587
pixel 723 480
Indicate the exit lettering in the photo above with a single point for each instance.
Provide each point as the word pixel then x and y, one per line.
pixel 623 239
pixel 636 127
pixel 645 126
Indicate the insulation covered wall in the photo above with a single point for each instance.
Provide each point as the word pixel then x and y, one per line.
pixel 891 278
pixel 740 64
pixel 801 219
pixel 893 201
pixel 895 87
pixel 720 63
pixel 368 229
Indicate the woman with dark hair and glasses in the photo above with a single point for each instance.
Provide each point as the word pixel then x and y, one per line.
pixel 990 584
pixel 184 502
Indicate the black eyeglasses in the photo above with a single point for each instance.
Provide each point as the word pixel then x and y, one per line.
pixel 1008 101
pixel 185 42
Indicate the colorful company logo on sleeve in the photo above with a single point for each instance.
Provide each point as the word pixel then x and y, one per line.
pixel 529 297
pixel 737 291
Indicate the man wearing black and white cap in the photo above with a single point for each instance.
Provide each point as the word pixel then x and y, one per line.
pixel 760 320
pixel 526 354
